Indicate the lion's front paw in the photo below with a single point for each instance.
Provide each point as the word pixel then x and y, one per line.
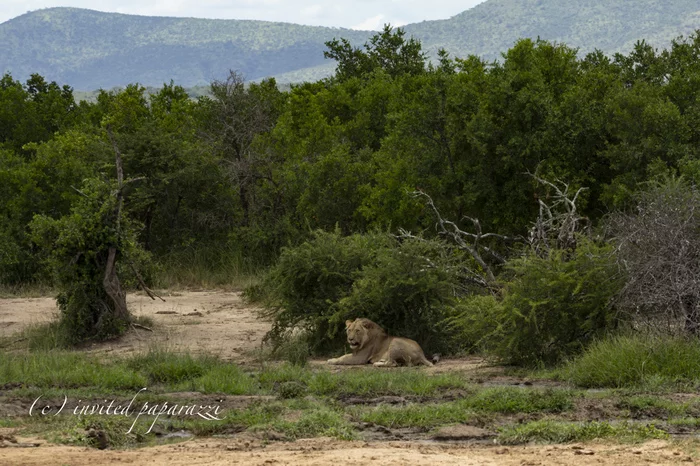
pixel 332 361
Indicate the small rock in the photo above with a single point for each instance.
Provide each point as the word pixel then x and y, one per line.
pixel 584 452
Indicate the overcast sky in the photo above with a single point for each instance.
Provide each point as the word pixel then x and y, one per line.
pixel 357 14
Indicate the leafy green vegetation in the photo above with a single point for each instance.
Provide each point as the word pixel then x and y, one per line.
pixel 548 431
pixel 636 361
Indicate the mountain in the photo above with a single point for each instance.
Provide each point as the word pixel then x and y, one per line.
pixel 89 49
pixel 612 26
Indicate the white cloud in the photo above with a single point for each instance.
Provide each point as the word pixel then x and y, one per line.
pixel 375 23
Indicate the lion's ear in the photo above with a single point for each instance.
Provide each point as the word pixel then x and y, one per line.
pixel 348 323
pixel 368 324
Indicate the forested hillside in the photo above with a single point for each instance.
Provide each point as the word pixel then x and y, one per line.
pixel 89 49
pixel 611 26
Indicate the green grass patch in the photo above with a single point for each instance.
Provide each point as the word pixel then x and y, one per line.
pixel 483 403
pixel 549 431
pixel 654 406
pixel 223 378
pixel 170 368
pixel 508 400
pixel 637 361
pixel 66 369
pixel 689 422
pixel 90 431
pixel 363 382
pixel 415 415
pixel 289 419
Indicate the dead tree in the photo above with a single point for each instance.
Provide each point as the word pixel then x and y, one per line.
pixel 470 242
pixel 558 223
pixel 556 227
pixel 659 247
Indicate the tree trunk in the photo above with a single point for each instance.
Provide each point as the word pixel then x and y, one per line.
pixel 691 313
pixel 113 287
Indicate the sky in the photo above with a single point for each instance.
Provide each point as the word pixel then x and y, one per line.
pixel 355 14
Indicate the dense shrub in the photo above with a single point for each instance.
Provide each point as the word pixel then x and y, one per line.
pixel 405 286
pixel 473 323
pixel 554 306
pixel 550 308
pixel 301 290
pixel 408 290
pixel 76 249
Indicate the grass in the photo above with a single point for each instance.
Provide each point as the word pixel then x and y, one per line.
pixel 478 406
pixel 289 419
pixel 647 405
pixel 639 361
pixel 208 268
pixel 308 402
pixel 362 382
pixel 416 415
pixel 66 369
pixel 551 431
pixel 26 290
pixel 510 400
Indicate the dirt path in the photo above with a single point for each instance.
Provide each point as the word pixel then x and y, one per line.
pixel 322 452
pixel 212 322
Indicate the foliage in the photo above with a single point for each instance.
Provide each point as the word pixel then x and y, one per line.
pixel 387 51
pixel 77 248
pixel 636 360
pixel 404 286
pixel 552 307
pixel 548 431
pixel 306 283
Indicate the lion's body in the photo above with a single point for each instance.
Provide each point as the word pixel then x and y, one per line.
pixel 371 345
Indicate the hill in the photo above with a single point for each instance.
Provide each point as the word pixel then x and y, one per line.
pixel 89 49
pixel 609 25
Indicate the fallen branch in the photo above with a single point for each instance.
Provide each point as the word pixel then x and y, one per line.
pixel 143 327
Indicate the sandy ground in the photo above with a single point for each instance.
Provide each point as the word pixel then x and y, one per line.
pixel 217 323
pixel 221 323
pixel 322 452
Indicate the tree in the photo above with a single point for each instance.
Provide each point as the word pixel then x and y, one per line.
pixel 659 248
pixel 87 251
pixel 387 50
pixel 237 115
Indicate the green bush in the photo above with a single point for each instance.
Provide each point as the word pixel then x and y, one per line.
pixel 473 323
pixel 408 290
pixel 302 289
pixel 550 308
pixel 555 306
pixel 76 247
pixel 405 286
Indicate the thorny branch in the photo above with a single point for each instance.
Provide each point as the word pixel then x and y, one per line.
pixel 558 223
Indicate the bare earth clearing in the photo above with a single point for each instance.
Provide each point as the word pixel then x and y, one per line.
pixel 220 323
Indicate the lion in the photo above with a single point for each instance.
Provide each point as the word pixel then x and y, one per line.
pixel 370 344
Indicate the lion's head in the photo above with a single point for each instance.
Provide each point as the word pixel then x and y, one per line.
pixel 362 331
